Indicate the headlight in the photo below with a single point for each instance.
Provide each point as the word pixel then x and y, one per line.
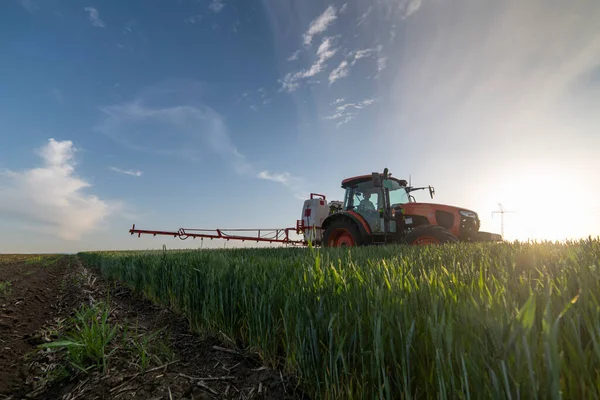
pixel 468 214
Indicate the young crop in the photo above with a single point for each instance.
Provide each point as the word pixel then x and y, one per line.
pixel 455 321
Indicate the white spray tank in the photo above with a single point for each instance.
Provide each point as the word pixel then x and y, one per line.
pixel 314 212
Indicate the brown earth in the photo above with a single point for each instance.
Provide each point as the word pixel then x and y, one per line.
pixel 181 365
pixel 27 304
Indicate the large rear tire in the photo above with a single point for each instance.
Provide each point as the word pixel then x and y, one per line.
pixel 342 233
pixel 430 234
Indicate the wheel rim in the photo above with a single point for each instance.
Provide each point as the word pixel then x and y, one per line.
pixel 426 240
pixel 341 238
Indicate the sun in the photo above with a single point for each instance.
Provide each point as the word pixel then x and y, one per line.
pixel 548 203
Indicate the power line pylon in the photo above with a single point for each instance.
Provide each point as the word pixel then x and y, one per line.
pixel 501 211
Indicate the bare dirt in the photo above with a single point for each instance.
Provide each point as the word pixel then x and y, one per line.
pixel 27 302
pixel 44 296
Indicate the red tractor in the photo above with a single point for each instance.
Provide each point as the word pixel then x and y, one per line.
pixel 379 209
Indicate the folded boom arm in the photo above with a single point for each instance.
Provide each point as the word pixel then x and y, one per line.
pixel 254 235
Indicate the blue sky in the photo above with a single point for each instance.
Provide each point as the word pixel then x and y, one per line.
pixel 215 113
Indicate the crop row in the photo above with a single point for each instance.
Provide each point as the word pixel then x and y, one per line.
pixel 456 321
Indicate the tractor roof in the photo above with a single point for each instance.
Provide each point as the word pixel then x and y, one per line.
pixel 363 178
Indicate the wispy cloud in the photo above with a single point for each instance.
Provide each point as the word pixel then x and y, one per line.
pixel 412 7
pixel 320 24
pixel 216 5
pixel 361 20
pixel 344 113
pixel 293 183
pixel 179 130
pixel 381 63
pixel 194 19
pixel 529 104
pixel 184 129
pixel 255 100
pixel 295 56
pixel 363 53
pixel 504 71
pixel 126 172
pixel 50 199
pixel 340 72
pixel 324 53
pixel 94 17
pixel 29 5
pixel 343 69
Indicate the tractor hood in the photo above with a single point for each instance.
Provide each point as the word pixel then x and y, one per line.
pixel 429 209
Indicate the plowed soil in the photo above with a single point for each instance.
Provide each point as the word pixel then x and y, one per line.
pixel 27 303
pixel 42 296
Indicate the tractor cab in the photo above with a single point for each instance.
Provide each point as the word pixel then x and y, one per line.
pixel 374 197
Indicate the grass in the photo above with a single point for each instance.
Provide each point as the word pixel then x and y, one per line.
pixel 16 258
pixel 91 340
pixel 499 321
pixel 44 260
pixel 5 288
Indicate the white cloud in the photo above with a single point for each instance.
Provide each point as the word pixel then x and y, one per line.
pixel 216 6
pixel 295 56
pixel 343 8
pixel 50 199
pixel 413 6
pixel 361 20
pixel 338 101
pixel 281 178
pixel 346 112
pixel 381 63
pixel 320 24
pixel 127 172
pixel 340 72
pixel 286 179
pixel 324 53
pixel 95 17
pixel 358 54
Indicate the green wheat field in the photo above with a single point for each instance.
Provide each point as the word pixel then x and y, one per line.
pixel 460 321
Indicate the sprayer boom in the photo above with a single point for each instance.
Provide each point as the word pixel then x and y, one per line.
pixel 252 235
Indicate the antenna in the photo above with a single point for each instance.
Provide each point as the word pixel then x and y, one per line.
pixel 501 211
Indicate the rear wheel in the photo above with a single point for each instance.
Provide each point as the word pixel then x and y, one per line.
pixel 430 234
pixel 342 233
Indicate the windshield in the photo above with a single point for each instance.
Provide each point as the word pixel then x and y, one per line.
pixel 398 194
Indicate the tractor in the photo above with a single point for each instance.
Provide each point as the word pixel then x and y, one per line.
pixel 379 209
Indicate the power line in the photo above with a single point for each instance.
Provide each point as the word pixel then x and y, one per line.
pixel 501 211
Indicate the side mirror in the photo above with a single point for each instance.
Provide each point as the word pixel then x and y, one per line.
pixel 431 191
pixel 377 181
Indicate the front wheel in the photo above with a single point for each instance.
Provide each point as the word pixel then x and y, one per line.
pixel 341 234
pixel 430 234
